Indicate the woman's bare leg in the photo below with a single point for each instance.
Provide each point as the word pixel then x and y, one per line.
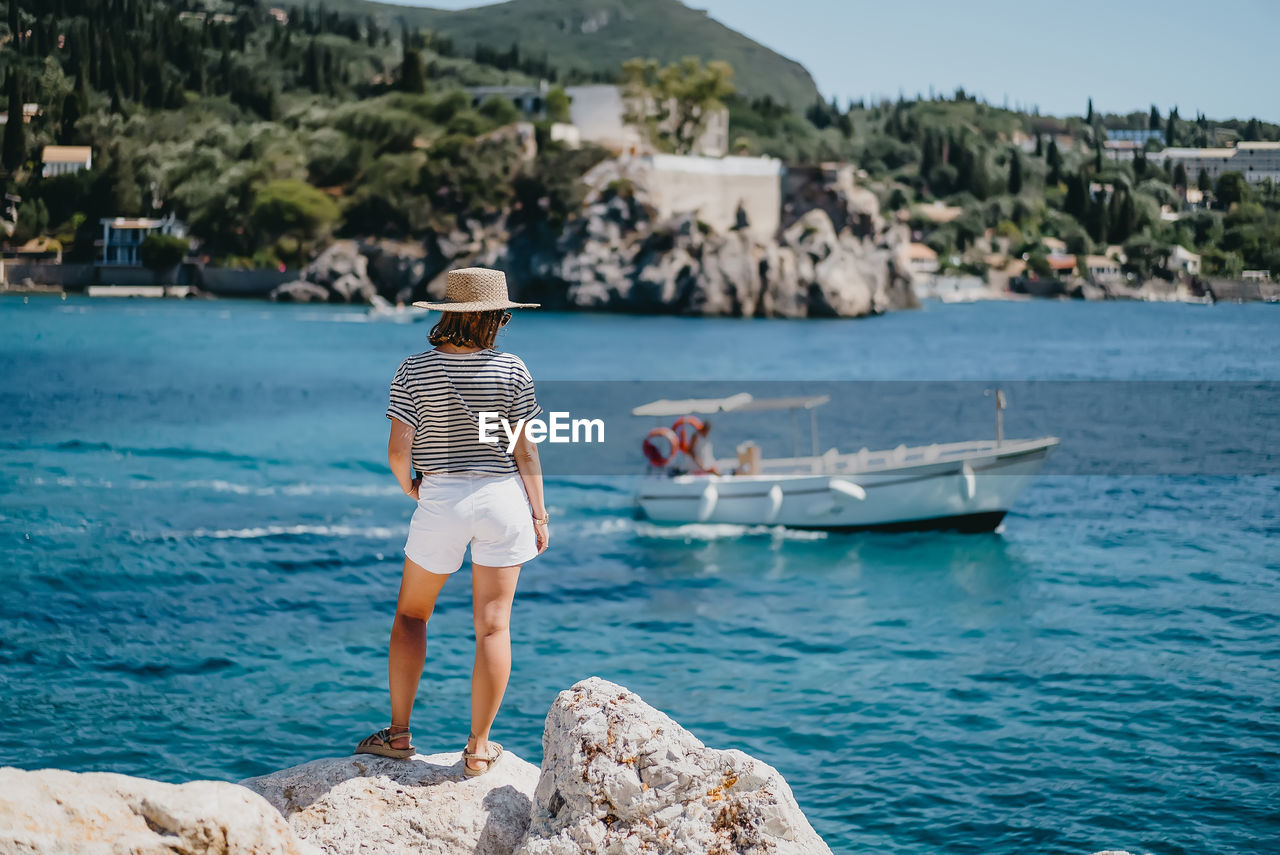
pixel 492 590
pixel 418 591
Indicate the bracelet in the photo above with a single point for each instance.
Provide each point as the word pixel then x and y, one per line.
pixel 542 520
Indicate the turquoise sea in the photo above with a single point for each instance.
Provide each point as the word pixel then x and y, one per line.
pixel 201 556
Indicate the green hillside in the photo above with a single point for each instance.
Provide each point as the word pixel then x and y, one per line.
pixel 586 38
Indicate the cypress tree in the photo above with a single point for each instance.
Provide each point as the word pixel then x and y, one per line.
pixel 1015 174
pixel 1088 119
pixel 413 78
pixel 1180 175
pixel 1155 122
pixel 1039 146
pixel 15 131
pixel 1054 159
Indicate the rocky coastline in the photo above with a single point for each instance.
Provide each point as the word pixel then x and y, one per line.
pixel 831 258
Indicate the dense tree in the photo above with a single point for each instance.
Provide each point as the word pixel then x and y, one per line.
pixel 1231 189
pixel 293 209
pixel 558 105
pixel 674 103
pixel 161 252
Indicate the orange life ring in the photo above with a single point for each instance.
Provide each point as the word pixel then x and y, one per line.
pixel 695 426
pixel 651 451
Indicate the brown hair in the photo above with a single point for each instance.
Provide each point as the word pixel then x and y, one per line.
pixel 469 329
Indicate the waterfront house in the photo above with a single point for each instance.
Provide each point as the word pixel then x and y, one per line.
pixel 1062 265
pixel 1100 268
pixel 65 159
pixel 1183 260
pixel 922 260
pixel 1255 275
pixel 122 236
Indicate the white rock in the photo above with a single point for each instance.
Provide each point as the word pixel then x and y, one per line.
pixel 422 805
pixel 55 811
pixel 601 740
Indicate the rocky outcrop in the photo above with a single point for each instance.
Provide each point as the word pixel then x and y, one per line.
pixel 620 777
pixel 52 811
pixel 835 258
pixel 423 805
pixel 340 274
pixel 614 257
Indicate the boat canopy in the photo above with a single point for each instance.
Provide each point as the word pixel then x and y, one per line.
pixel 742 402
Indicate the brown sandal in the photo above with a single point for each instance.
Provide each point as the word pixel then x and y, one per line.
pixel 489 760
pixel 380 743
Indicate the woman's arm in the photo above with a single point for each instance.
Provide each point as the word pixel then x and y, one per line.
pixel 530 466
pixel 399 451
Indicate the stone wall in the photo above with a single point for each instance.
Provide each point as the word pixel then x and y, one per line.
pixel 74 276
pixel 226 282
pixel 712 189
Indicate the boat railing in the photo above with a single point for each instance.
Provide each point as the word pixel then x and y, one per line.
pixel 833 462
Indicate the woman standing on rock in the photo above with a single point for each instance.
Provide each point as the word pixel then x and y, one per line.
pixel 468 492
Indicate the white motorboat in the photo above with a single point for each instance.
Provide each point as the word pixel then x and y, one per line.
pixel 958 486
pixel 382 309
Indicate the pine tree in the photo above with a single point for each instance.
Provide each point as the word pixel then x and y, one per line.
pixel 1015 174
pixel 15 131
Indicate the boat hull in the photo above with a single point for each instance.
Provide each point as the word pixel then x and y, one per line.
pixel 967 493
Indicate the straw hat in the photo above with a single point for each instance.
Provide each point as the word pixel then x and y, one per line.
pixel 475 289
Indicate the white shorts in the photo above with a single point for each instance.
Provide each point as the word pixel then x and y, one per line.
pixel 489 512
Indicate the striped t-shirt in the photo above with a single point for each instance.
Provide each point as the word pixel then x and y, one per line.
pixel 441 396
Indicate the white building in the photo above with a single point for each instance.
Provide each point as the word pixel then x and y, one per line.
pixel 122 236
pixel 714 188
pixel 1183 260
pixel 65 159
pixel 1254 160
pixel 1258 160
